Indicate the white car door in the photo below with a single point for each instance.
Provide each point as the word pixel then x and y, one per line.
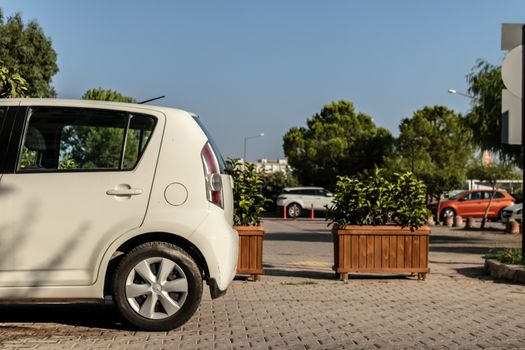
pixel 325 199
pixel 73 190
pixel 314 199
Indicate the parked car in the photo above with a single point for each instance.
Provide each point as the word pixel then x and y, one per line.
pixel 297 200
pixel 514 212
pixel 102 198
pixel 473 204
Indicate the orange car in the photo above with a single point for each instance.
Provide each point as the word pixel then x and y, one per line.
pixel 472 204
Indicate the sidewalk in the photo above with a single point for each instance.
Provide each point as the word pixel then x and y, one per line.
pixel 299 305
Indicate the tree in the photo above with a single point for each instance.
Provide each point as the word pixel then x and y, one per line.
pixel 484 118
pixel 336 141
pixel 89 146
pixel 273 185
pixel 248 201
pixel 106 95
pixel 492 174
pixel 438 145
pixel 25 49
pixel 12 85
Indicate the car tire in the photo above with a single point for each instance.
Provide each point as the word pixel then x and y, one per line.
pixel 294 210
pixel 447 212
pixel 157 287
pixel 500 216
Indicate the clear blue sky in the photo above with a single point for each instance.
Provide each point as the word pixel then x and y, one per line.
pixel 248 67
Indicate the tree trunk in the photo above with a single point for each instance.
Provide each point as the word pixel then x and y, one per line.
pixel 488 208
pixel 438 219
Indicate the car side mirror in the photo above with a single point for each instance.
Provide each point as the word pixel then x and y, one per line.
pixel 329 194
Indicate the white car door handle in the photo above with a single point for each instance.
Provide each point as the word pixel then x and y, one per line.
pixel 124 192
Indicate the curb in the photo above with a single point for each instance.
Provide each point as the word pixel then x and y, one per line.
pixel 499 270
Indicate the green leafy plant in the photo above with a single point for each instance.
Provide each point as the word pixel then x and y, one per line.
pixel 377 200
pixel 507 256
pixel 410 209
pixel 248 201
pixel 12 85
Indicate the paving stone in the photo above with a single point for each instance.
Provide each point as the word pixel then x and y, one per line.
pixel 299 305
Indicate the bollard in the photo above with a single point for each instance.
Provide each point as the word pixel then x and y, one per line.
pixel 449 220
pixel 470 223
pixel 284 212
pixel 430 221
pixel 312 212
pixel 512 227
pixel 458 221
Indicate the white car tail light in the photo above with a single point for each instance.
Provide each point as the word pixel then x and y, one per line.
pixel 212 174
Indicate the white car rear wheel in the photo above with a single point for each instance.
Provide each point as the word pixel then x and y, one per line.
pixel 157 287
pixel 294 210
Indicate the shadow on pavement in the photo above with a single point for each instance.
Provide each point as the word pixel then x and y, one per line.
pixel 461 250
pixel 472 272
pixel 300 237
pixel 331 275
pixel 452 239
pixel 80 315
pixel 322 275
pixel 485 230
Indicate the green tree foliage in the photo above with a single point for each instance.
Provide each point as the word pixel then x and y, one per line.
pixel 273 185
pixel 93 148
pixel 25 49
pixel 100 94
pixel 484 118
pixel 438 143
pixel 492 174
pixel 12 85
pixel 336 141
pixel 248 201
pixel 102 144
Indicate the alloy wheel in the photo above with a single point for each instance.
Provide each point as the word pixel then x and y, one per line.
pixel 156 288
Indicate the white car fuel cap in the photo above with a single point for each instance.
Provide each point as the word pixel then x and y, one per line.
pixel 176 194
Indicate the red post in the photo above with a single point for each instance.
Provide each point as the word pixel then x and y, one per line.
pixel 284 212
pixel 312 212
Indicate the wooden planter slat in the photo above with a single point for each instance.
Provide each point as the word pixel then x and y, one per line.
pixel 378 262
pixel 400 251
pixel 250 250
pixel 380 249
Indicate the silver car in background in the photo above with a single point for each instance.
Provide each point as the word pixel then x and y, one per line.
pixel 297 200
pixel 513 212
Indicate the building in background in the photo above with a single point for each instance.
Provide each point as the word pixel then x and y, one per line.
pixel 270 166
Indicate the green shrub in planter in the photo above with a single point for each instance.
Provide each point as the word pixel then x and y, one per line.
pixel 248 201
pixel 411 208
pixel 379 201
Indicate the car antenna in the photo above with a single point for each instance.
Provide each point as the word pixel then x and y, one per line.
pixel 151 99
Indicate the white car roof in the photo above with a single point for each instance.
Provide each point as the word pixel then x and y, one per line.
pixel 85 103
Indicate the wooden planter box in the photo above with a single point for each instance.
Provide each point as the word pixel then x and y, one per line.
pixel 250 250
pixel 380 249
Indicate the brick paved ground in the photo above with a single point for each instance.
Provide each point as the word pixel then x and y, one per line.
pixel 298 305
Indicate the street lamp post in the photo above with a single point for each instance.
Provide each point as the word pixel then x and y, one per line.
pixel 247 138
pixel 452 91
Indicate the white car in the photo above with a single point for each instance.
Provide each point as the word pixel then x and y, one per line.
pixel 513 212
pixel 102 198
pixel 297 200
